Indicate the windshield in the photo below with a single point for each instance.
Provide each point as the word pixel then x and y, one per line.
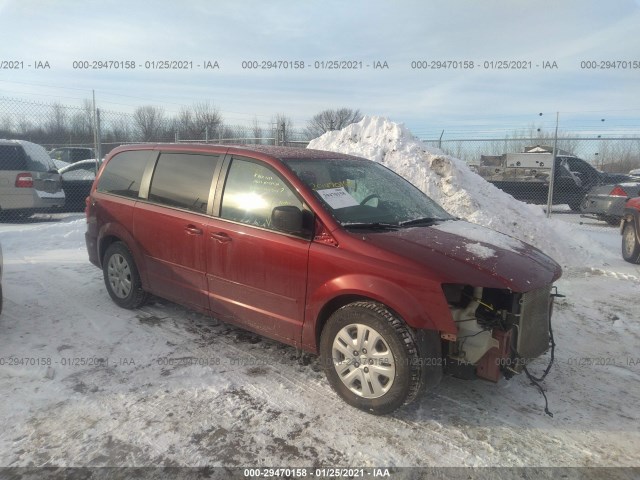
pixel 366 193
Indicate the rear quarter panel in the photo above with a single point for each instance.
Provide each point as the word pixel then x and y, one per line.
pixel 111 219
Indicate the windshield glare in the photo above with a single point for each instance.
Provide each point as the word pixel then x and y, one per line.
pixel 357 192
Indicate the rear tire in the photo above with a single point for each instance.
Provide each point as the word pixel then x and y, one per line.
pixel 121 277
pixel 630 243
pixel 575 206
pixel 371 358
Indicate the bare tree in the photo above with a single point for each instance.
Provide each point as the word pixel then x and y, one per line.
pixel 257 131
pixel 207 117
pixel 57 126
pixel 618 156
pixel 200 120
pixel 227 135
pixel 119 130
pixel 82 122
pixel 283 127
pixel 149 122
pixel 186 124
pixel 6 125
pixel 24 126
pixel 328 120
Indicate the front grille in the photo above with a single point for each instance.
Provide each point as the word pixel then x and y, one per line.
pixel 533 328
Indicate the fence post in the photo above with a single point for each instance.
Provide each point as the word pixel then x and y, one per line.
pixel 552 177
pixel 96 145
pixel 98 139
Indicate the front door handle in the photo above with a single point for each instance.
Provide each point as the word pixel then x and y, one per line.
pixel 192 230
pixel 221 237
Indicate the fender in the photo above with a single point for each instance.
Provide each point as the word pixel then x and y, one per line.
pixel 418 314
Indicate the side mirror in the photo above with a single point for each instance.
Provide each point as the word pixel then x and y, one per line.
pixel 287 219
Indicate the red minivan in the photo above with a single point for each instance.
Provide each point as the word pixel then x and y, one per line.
pixel 330 253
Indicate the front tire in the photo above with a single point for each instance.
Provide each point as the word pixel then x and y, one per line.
pixel 371 357
pixel 630 243
pixel 121 277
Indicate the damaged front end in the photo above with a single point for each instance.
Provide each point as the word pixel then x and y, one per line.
pixel 499 331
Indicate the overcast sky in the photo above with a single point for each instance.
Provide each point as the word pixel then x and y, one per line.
pixel 464 102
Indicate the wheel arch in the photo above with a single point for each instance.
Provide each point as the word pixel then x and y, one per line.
pixel 110 234
pixel 335 304
pixel 332 296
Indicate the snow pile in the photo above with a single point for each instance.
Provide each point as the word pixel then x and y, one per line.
pixel 451 183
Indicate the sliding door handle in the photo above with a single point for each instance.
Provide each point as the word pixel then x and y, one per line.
pixel 221 237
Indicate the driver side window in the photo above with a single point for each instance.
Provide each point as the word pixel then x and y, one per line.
pixel 252 191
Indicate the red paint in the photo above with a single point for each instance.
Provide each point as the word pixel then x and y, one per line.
pixel 280 285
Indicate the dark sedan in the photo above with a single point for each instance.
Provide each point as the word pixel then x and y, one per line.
pixel 77 179
pixel 606 202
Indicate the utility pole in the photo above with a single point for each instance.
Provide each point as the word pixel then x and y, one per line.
pixel 552 177
pixel 98 139
pixel 96 147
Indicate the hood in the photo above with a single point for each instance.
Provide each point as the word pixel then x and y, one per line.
pixel 462 252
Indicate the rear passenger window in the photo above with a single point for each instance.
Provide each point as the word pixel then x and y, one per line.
pixel 123 173
pixel 252 191
pixel 38 160
pixel 183 180
pixel 12 158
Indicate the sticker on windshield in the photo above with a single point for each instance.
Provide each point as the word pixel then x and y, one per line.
pixel 337 197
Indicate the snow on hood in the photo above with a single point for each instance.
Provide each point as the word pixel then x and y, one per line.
pixel 480 250
pixel 451 183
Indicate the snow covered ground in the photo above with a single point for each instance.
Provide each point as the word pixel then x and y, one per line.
pixel 101 386
pixel 86 383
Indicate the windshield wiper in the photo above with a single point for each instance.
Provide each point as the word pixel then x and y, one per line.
pixel 421 221
pixel 372 225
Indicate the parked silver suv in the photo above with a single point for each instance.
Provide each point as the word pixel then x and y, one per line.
pixel 29 181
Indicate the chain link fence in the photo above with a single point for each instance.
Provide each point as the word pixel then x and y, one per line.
pixel 587 170
pixel 47 157
pixel 48 150
pixel 611 154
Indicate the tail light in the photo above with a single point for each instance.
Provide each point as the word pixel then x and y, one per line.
pixel 24 180
pixel 618 191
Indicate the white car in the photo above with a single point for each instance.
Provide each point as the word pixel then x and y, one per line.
pixel 29 181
